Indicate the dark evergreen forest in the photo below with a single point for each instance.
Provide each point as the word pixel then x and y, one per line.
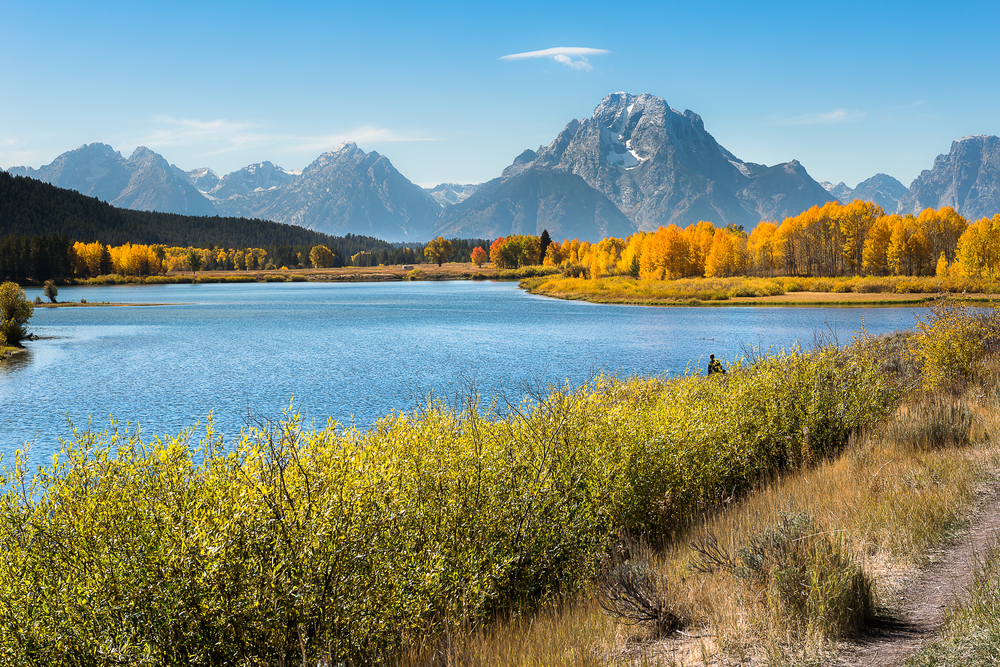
pixel 40 222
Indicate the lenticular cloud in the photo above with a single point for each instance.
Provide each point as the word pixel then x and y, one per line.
pixel 574 57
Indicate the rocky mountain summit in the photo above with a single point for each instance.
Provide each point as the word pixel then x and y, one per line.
pixel 252 178
pixel 881 189
pixel 448 194
pixel 966 179
pixel 656 165
pixel 841 191
pixel 145 181
pixel 345 190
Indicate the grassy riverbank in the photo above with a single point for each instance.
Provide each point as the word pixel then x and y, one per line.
pixel 413 541
pixel 780 291
pixel 447 271
pixel 95 304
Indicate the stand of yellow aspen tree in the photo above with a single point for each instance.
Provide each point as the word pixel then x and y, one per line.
pixel 833 240
pixel 94 259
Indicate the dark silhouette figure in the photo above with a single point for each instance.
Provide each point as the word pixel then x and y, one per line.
pixel 714 365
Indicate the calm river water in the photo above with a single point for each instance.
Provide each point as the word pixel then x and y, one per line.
pixel 352 352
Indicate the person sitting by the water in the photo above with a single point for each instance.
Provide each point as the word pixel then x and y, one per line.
pixel 714 365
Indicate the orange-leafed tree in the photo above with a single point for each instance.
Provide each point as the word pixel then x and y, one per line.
pixel 479 256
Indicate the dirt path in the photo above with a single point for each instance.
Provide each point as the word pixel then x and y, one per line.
pixel 919 610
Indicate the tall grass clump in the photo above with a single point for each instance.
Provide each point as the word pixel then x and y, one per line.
pixel 804 577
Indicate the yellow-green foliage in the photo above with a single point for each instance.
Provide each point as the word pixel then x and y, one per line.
pixel 15 312
pixel 351 545
pixel 951 339
pixel 624 289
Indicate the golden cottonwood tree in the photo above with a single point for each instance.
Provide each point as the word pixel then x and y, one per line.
pixel 875 260
pixel 320 256
pixel 856 221
pixel 979 248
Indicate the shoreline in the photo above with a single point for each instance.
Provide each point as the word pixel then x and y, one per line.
pixel 11 351
pixel 791 300
pixel 852 292
pixel 100 304
pixel 531 278
pixel 393 273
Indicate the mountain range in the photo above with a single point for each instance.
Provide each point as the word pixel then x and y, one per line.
pixel 634 164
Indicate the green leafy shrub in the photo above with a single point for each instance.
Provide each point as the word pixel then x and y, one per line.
pixel 525 272
pixel 343 545
pixel 15 312
pixel 952 339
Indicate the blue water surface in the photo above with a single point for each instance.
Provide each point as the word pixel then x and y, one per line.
pixel 353 352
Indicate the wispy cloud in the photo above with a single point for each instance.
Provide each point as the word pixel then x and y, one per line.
pixel 574 57
pixel 223 136
pixel 189 131
pixel 15 153
pixel 834 117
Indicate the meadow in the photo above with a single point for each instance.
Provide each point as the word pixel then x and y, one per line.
pixel 725 508
pixel 767 291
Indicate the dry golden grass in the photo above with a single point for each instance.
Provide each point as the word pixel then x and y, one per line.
pixel 892 497
pixel 447 271
pixel 743 291
pixel 839 299
pixel 395 272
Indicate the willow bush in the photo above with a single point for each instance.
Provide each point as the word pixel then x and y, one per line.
pixel 951 339
pixel 336 545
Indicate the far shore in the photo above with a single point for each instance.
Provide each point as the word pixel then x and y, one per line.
pixel 97 304
pixel 796 299
pixel 791 300
pixel 533 279
pixel 841 292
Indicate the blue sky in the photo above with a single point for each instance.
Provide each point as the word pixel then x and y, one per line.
pixel 849 89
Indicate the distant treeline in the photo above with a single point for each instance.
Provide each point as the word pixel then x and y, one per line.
pixel 39 224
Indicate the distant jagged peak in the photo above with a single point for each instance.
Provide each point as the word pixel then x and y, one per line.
pixel 268 167
pixel 841 191
pixel 201 172
pixel 975 137
pixel 98 148
pixel 141 152
pixel 344 147
pixel 345 151
pixel 449 194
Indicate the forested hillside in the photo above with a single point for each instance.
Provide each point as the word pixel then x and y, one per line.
pixel 29 207
pixel 39 223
